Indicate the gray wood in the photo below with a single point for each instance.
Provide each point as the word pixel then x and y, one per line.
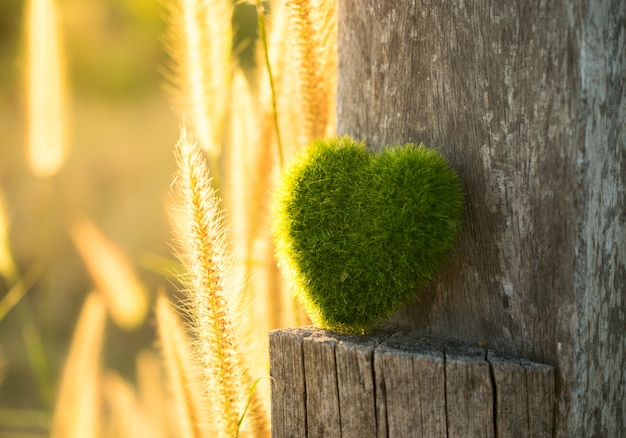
pixel 540 377
pixel 511 395
pixel 382 428
pixel 322 396
pixel 524 397
pixel 469 393
pixel 401 385
pixel 288 390
pixel 527 101
pixel 355 384
pixel 414 380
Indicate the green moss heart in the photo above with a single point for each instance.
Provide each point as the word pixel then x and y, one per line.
pixel 360 232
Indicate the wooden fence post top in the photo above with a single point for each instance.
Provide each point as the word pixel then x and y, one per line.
pixel 396 384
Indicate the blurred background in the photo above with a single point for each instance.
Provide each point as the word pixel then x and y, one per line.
pixel 117 171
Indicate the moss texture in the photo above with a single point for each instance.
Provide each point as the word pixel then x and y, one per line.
pixel 358 233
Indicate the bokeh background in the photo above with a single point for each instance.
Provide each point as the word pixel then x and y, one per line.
pixel 121 132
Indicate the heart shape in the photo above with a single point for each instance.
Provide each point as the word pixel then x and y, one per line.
pixel 358 233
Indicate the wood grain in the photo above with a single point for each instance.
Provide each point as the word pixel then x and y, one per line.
pixel 527 100
pixel 540 377
pixel 322 396
pixel 469 393
pixel 288 384
pixel 413 376
pixel 402 385
pixel 355 382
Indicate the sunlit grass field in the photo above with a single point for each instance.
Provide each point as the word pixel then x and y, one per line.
pixel 120 132
pixel 107 327
pixel 119 177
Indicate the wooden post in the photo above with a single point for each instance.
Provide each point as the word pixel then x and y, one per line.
pixel 330 385
pixel 527 99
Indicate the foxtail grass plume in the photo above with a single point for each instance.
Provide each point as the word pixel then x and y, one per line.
pixel 211 300
pixel 199 41
pixel 112 273
pixel 314 24
pixel 46 88
pixel 182 373
pixel 78 405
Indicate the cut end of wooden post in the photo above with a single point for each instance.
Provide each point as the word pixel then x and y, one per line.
pixel 387 385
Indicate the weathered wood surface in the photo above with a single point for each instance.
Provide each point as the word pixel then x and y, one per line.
pixel 326 385
pixel 322 404
pixel 411 396
pixel 527 99
pixel 470 393
pixel 534 389
pixel 356 386
pixel 291 413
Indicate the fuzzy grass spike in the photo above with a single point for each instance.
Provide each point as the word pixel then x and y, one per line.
pixel 211 304
pixel 314 24
pixel 199 40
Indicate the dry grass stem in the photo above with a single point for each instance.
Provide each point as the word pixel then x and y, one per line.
pixel 182 372
pixel 291 119
pixel 243 190
pixel 241 164
pixel 112 273
pixel 77 412
pixel 285 94
pixel 251 161
pixel 210 299
pixel 45 87
pixel 270 79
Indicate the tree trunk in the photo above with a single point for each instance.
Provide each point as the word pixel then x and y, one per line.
pixel 527 101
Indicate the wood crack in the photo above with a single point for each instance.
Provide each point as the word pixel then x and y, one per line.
pixel 403 385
